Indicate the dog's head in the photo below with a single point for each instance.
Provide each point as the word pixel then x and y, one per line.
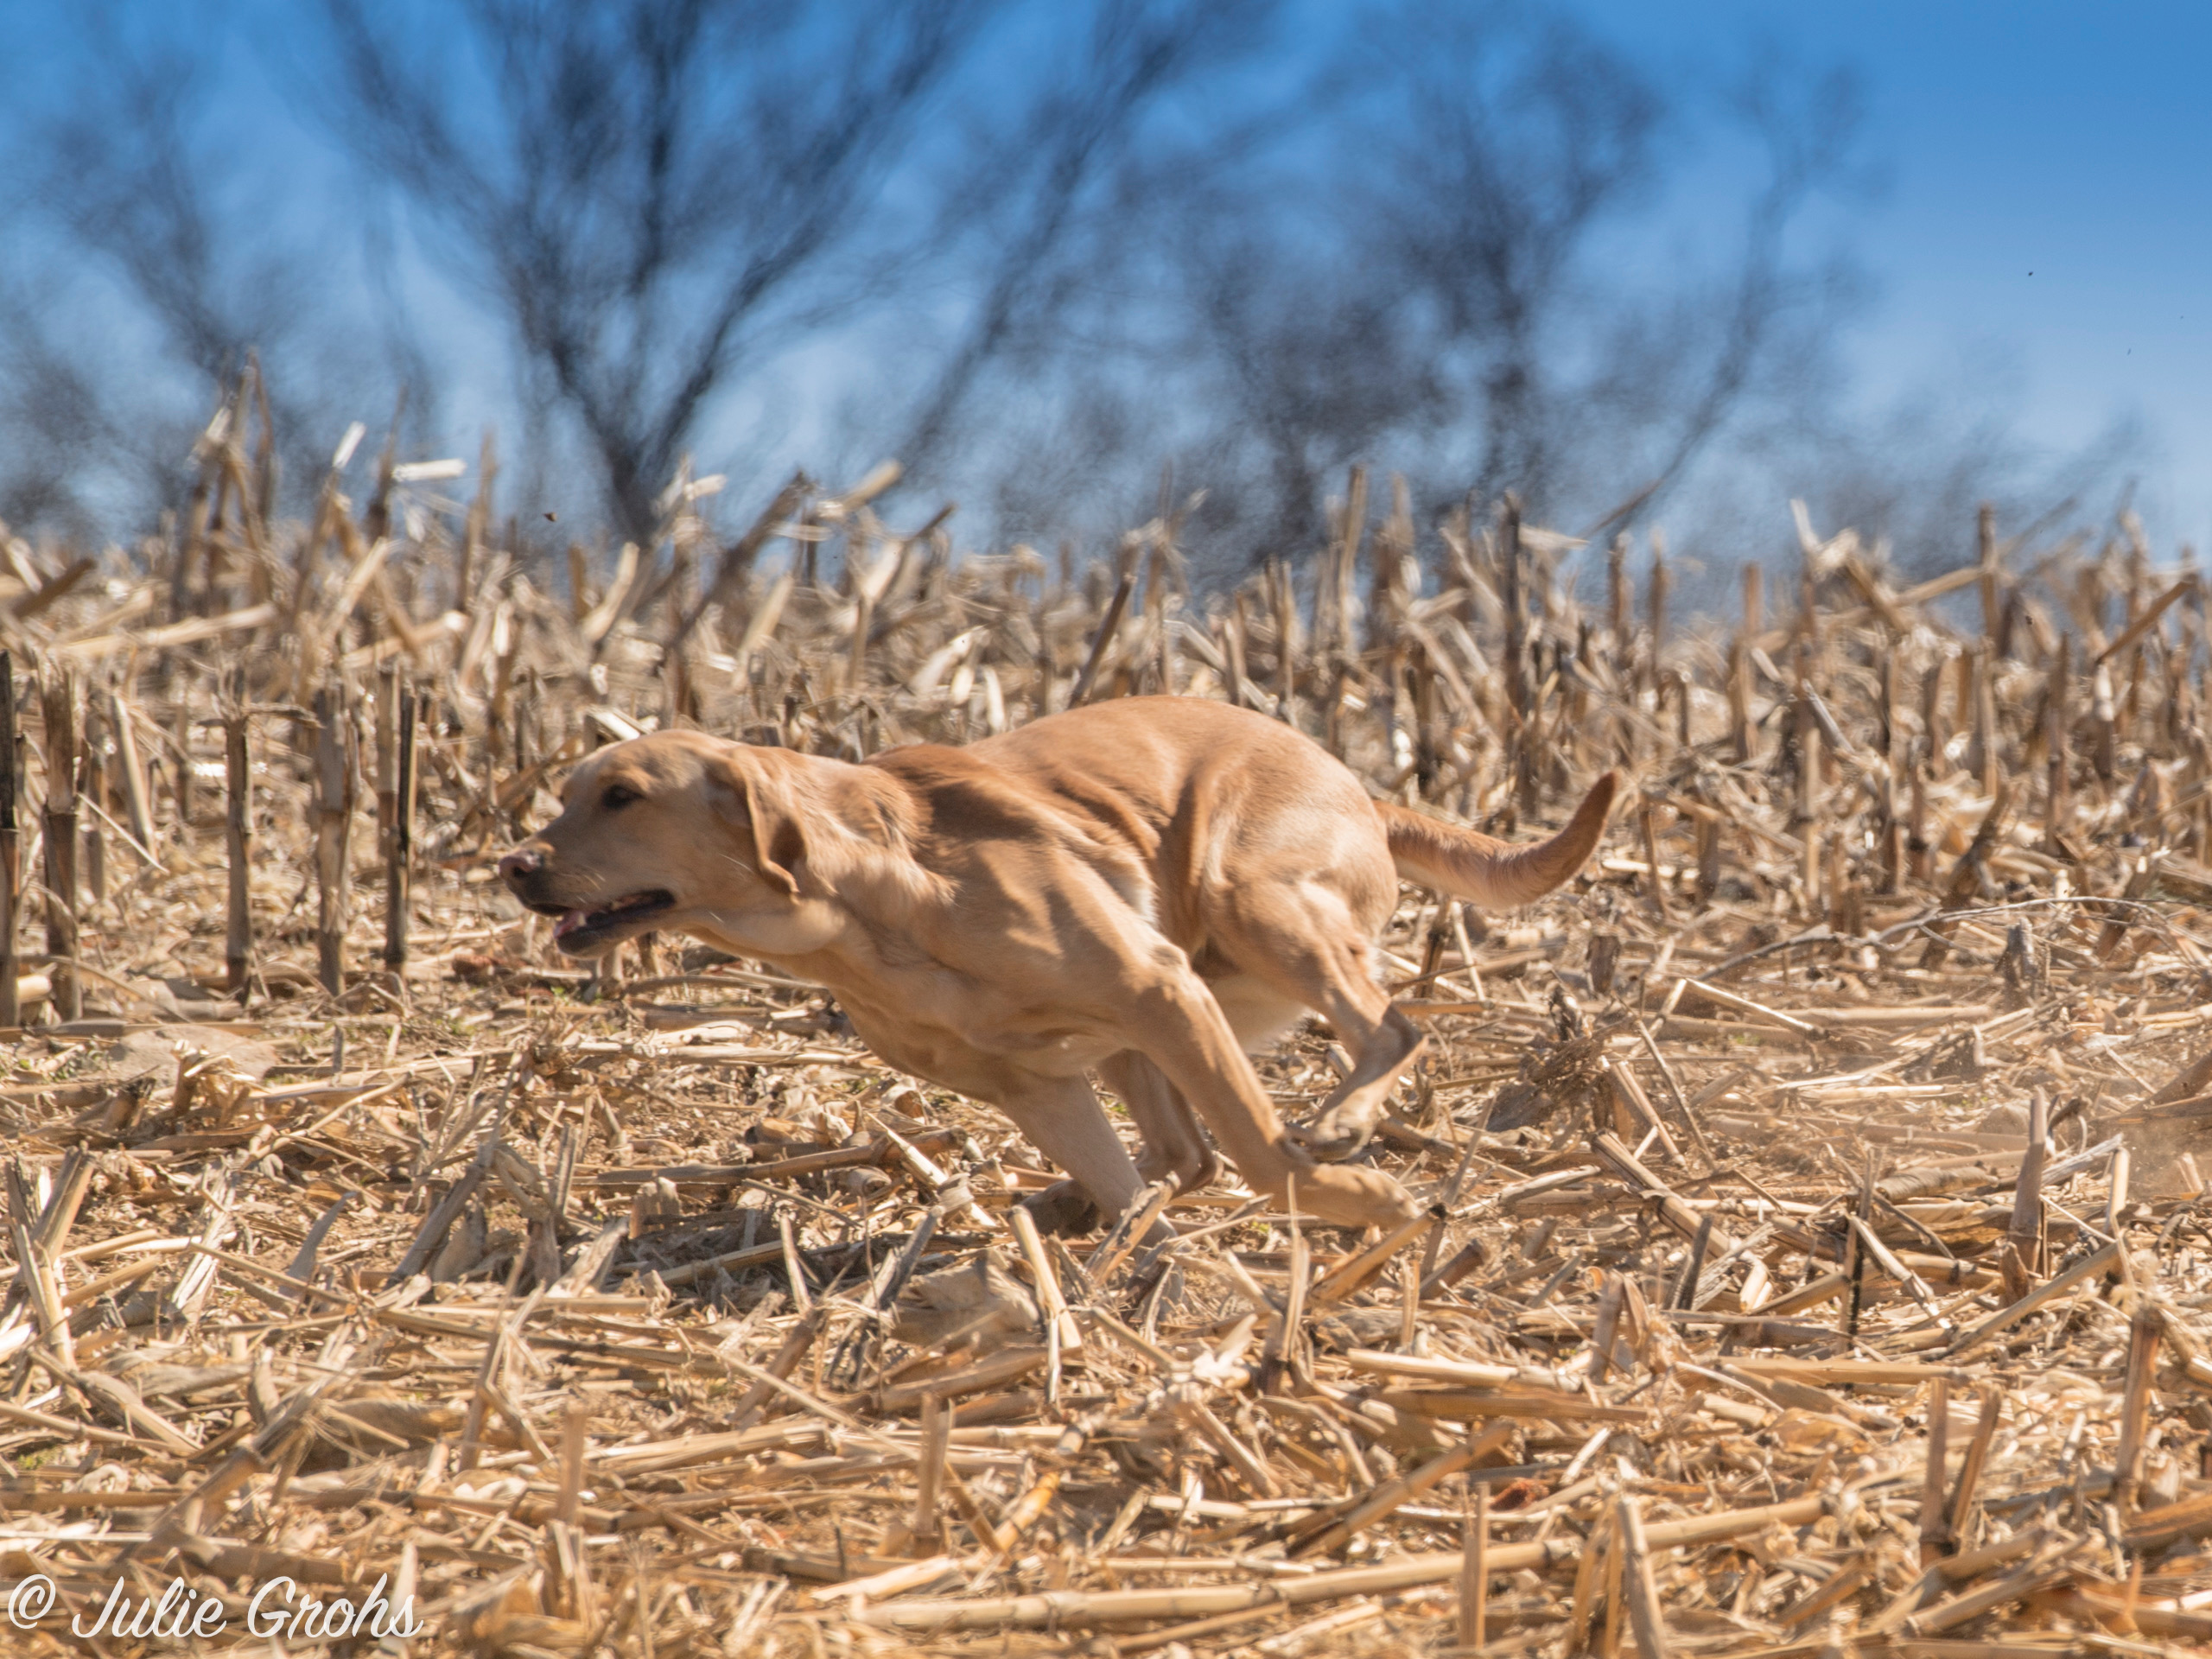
pixel 679 831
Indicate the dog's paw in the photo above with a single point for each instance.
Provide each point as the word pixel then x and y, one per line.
pixel 1354 1198
pixel 1338 1133
pixel 1064 1208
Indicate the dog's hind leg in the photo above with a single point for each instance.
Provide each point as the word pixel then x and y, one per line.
pixel 1173 1142
pixel 1306 945
pixel 1390 1043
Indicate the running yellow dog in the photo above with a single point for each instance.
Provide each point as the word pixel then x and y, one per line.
pixel 1145 889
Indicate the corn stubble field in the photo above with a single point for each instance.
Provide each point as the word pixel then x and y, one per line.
pixel 1817 1260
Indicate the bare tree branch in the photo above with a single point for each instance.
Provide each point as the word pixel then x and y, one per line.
pixel 645 182
pixel 1138 51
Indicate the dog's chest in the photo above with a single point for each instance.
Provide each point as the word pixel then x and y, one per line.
pixel 963 1043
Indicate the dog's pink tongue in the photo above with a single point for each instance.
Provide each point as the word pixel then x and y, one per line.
pixel 570 922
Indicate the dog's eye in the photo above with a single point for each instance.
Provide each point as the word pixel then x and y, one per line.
pixel 618 796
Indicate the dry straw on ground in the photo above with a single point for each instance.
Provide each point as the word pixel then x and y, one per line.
pixel 1818 1261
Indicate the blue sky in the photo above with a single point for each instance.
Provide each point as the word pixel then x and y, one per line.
pixel 2072 140
pixel 2066 140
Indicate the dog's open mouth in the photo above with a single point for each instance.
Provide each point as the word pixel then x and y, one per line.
pixel 578 930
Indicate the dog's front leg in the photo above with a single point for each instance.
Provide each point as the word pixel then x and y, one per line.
pixel 1179 1026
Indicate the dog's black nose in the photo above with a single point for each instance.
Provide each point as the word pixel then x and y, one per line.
pixel 523 861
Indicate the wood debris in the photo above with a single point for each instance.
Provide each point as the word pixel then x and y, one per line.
pixel 1819 1259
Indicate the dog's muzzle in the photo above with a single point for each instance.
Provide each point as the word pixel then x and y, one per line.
pixel 521 862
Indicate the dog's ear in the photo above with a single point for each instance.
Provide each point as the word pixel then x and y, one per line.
pixel 763 799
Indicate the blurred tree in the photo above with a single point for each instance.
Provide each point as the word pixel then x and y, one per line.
pixel 660 194
pixel 1517 150
pixel 125 167
pixel 1509 161
pixel 1069 171
pixel 633 184
pixel 1454 267
pixel 1035 250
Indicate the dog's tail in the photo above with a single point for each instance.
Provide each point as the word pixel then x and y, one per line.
pixel 1489 871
